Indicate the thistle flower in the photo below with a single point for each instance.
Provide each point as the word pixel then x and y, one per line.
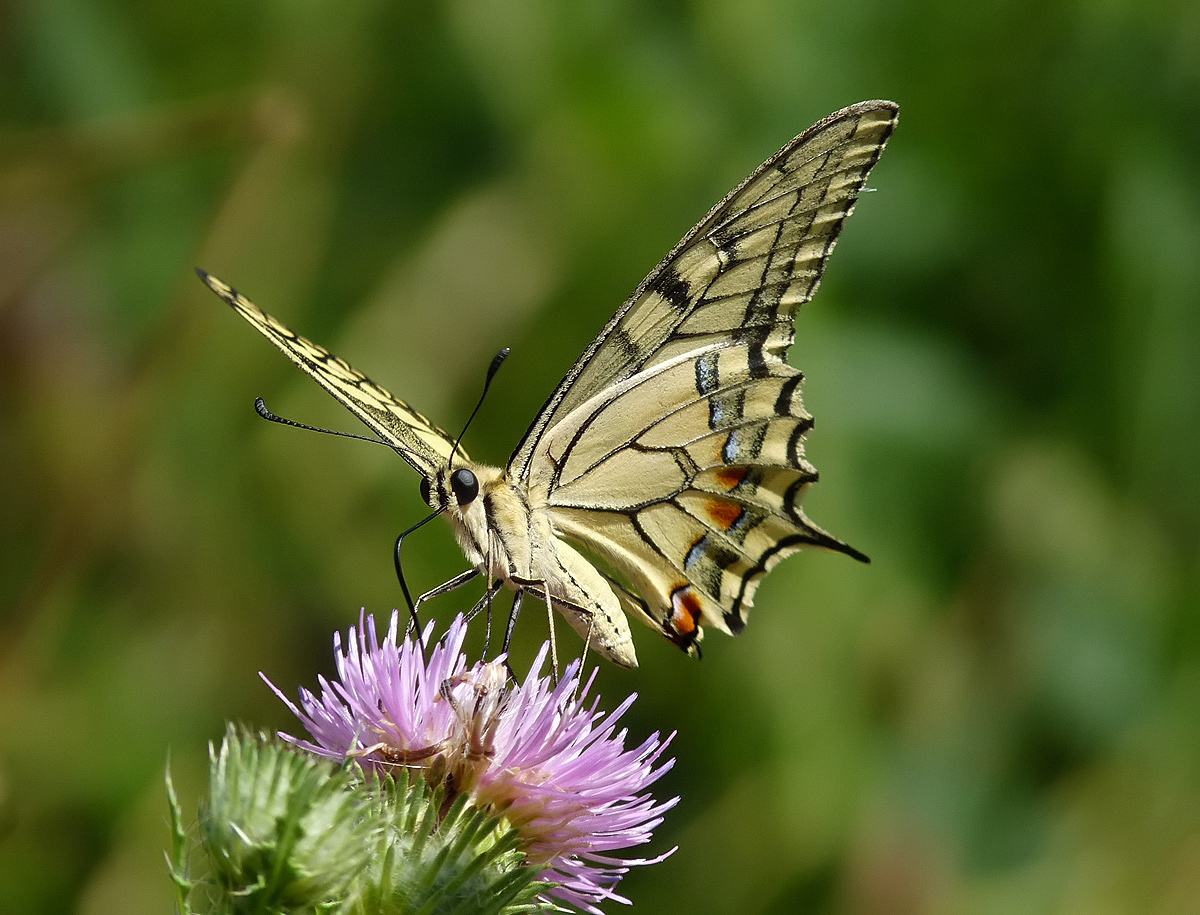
pixel 534 753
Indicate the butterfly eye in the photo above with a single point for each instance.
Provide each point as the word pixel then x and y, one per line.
pixel 465 486
pixel 425 489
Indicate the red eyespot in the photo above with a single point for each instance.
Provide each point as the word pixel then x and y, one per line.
pixel 685 610
pixel 722 512
pixel 731 477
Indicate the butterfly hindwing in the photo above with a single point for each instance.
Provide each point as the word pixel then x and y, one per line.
pixel 705 497
pixel 417 440
pixel 674 447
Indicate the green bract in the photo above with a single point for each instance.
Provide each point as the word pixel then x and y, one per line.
pixel 286 833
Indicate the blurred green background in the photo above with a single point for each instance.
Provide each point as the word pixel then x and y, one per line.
pixel 1000 714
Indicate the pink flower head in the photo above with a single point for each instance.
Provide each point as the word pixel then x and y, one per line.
pixel 534 753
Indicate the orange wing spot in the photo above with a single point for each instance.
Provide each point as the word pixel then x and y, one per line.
pixel 731 477
pixel 724 513
pixel 685 610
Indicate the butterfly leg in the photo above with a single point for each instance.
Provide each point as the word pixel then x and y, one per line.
pixel 513 613
pixel 485 603
pixel 553 640
pixel 445 587
pixel 589 606
pixel 487 634
pixel 587 641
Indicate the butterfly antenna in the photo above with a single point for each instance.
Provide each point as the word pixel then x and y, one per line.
pixel 264 411
pixel 412 608
pixel 497 361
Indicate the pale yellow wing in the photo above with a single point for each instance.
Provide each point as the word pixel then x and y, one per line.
pixel 742 271
pixel 415 438
pixel 674 447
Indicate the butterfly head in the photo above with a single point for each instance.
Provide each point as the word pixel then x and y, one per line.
pixel 450 488
pixel 466 494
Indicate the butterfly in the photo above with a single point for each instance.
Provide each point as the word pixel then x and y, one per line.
pixel 663 477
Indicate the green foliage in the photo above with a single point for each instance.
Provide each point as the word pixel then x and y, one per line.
pixel 998 715
pixel 177 858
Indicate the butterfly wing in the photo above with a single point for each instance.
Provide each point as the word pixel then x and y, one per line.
pixel 415 438
pixel 673 449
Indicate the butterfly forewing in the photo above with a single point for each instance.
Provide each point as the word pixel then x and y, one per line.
pixel 738 275
pixel 674 447
pixel 418 441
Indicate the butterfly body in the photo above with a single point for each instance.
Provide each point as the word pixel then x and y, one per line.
pixel 510 537
pixel 663 477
